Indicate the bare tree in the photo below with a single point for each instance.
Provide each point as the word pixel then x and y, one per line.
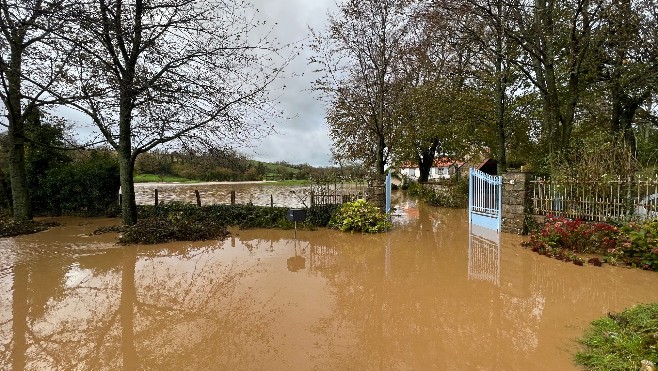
pixel 359 56
pixel 31 61
pixel 155 71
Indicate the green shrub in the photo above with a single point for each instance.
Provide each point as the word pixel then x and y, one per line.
pixel 88 186
pixel 621 341
pixel 359 216
pixel 416 189
pixel 639 248
pixel 320 216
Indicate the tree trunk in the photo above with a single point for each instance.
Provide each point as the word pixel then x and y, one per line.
pixel 125 151
pixel 22 207
pixel 624 109
pixel 500 92
pixel 381 161
pixel 426 160
pixel 128 204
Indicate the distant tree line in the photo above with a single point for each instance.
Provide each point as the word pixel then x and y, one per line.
pixel 229 165
pixel 544 83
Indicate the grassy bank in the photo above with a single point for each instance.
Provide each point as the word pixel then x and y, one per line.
pixel 621 341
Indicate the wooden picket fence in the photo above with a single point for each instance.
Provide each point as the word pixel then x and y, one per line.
pixel 634 198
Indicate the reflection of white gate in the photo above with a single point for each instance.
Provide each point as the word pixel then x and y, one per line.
pixel 484 199
pixel 484 255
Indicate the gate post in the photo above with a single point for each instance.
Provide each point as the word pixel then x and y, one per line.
pixel 516 202
pixel 376 191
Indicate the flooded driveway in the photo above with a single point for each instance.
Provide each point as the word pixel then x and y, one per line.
pixel 429 295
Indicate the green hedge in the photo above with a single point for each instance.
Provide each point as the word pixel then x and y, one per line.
pixel 89 186
pixel 243 216
pixel 158 230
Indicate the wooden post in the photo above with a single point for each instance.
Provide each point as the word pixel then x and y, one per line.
pixel 271 201
pixel 156 197
pixel 232 197
pixel 312 198
pixel 198 197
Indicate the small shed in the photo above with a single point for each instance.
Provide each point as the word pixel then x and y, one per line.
pixel 489 166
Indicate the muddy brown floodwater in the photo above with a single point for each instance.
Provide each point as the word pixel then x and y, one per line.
pixel 429 295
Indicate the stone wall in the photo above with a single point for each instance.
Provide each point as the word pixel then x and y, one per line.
pixel 516 207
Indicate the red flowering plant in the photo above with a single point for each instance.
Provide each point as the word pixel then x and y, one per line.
pixel 560 237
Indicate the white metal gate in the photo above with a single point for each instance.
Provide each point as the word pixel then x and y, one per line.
pixel 484 199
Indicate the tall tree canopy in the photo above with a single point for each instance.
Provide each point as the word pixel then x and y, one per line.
pixel 359 57
pixel 154 71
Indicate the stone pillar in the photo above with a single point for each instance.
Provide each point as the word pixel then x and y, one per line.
pixel 516 207
pixel 376 191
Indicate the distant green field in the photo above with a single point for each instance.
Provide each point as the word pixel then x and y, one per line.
pixel 300 182
pixel 150 178
pixel 153 178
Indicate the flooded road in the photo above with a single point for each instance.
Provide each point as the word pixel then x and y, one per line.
pixel 429 295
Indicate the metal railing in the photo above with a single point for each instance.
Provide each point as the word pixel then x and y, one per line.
pixel 485 199
pixel 634 198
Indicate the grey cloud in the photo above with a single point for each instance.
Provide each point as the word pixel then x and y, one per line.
pixel 303 138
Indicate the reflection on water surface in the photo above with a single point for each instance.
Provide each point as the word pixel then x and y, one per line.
pixel 427 295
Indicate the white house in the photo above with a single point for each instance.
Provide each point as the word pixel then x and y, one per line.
pixel 443 168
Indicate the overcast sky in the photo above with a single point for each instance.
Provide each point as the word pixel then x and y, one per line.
pixel 304 137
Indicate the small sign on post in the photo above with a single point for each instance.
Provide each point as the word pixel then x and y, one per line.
pixel 296 215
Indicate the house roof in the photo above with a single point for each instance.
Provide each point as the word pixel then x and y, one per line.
pixel 489 166
pixel 438 162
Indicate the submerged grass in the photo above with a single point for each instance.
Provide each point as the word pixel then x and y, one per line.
pixel 621 341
